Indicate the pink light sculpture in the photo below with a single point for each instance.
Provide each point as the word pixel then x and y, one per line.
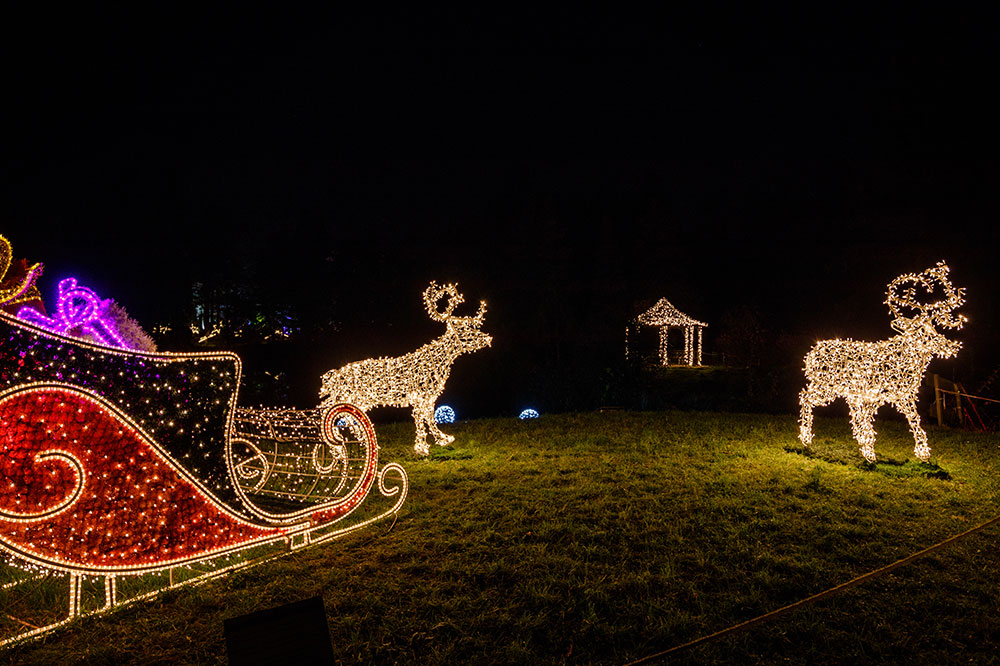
pixel 79 313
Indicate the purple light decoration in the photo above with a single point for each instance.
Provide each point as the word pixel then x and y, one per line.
pixel 77 308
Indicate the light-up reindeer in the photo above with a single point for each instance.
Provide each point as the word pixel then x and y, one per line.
pixel 417 379
pixel 871 374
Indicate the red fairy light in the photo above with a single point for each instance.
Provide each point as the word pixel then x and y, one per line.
pixel 116 462
pixel 178 515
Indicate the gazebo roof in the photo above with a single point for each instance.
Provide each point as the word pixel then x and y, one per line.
pixel 665 314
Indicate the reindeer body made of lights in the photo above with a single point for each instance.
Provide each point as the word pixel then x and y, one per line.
pixel 417 379
pixel 870 374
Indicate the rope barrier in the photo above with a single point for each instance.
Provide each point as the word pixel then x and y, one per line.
pixel 967 395
pixel 743 626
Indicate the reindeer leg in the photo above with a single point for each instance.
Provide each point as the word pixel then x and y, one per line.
pixel 921 448
pixel 862 417
pixel 805 418
pixel 427 415
pixel 440 438
pixel 420 423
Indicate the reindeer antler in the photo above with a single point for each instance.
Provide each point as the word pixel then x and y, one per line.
pixel 902 293
pixel 476 321
pixel 434 293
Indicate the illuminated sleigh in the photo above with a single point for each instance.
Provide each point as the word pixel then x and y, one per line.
pixel 137 468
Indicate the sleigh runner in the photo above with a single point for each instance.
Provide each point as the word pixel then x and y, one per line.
pixel 117 465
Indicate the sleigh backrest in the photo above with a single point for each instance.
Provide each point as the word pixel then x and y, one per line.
pixel 184 402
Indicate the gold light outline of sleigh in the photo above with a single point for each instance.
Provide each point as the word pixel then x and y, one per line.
pixel 293 529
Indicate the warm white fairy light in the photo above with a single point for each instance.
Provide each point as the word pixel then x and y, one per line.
pixel 15 290
pixel 119 463
pixel 417 379
pixel 665 316
pixel 871 374
pixel 302 456
pixel 33 423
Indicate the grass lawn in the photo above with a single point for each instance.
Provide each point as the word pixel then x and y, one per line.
pixel 605 537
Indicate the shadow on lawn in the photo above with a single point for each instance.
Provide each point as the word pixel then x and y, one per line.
pixel 449 453
pixel 886 466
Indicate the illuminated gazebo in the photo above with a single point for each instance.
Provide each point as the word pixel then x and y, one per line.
pixel 665 316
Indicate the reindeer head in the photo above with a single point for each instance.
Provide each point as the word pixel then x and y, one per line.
pixel 465 329
pixel 933 306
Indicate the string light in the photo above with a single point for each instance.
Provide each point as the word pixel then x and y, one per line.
pixel 417 379
pixel 665 316
pixel 79 313
pixel 14 291
pixel 528 414
pixel 871 374
pixel 444 414
pixel 115 462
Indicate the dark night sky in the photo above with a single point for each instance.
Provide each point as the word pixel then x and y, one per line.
pixel 564 167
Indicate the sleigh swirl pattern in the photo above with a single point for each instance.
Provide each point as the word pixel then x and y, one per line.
pixel 120 463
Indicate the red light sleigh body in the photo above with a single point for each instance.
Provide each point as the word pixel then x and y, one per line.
pixel 124 465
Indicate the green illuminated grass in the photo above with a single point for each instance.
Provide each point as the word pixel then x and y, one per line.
pixel 601 538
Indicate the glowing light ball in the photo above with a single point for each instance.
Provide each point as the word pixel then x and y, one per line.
pixel 871 374
pixel 444 414
pixel 528 414
pixel 417 379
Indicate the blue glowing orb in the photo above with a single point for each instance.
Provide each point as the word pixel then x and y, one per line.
pixel 444 414
pixel 528 414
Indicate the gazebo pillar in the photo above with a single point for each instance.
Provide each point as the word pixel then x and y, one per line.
pixel 664 359
pixel 699 344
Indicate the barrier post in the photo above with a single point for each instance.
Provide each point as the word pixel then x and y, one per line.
pixel 937 399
